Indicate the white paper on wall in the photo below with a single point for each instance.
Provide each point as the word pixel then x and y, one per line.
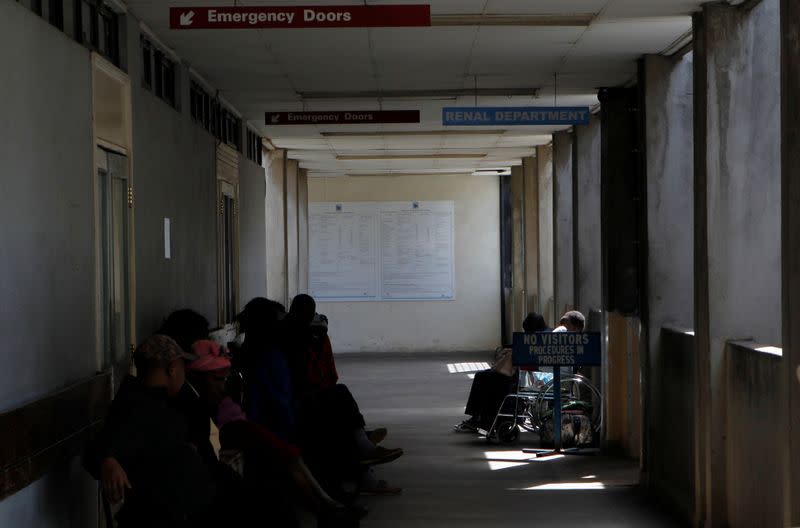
pixel 371 251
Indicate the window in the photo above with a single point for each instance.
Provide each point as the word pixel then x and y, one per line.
pixel 209 113
pixel 200 103
pixel 56 13
pixel 50 10
pixel 231 129
pixel 147 63
pixel 159 73
pixel 113 192
pixel 254 149
pixel 97 28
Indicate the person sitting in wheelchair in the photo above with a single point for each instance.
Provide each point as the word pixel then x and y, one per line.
pixel 491 386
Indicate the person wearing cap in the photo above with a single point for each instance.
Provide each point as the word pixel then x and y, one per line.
pixel 269 459
pixel 572 321
pixel 142 455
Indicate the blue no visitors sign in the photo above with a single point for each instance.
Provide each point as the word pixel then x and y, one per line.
pixel 515 116
pixel 564 349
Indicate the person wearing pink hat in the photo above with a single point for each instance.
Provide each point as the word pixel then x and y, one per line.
pixel 264 451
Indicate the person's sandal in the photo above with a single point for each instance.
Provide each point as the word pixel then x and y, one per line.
pixel 381 455
pixel 467 426
pixel 380 487
pixel 376 436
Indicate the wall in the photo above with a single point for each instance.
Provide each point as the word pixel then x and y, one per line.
pixel 472 321
pixel 755 449
pixel 588 292
pixel 276 234
pixel 737 189
pixel 174 177
pixel 744 172
pixel 563 256
pixel 670 273
pixel 252 231
pixel 47 254
pixel 671 457
pixel 544 157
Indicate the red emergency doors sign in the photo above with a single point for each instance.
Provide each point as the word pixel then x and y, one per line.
pixel 259 17
pixel 356 117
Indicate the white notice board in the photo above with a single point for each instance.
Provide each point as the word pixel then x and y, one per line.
pixel 382 251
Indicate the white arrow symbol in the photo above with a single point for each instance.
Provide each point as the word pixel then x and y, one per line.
pixel 276 118
pixel 186 18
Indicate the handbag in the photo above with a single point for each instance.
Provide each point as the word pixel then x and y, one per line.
pixel 503 362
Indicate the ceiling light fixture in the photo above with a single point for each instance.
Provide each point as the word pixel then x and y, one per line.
pixel 404 133
pixel 348 157
pixel 402 173
pixel 493 172
pixel 541 20
pixel 424 94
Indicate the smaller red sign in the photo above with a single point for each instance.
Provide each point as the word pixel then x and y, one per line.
pixel 260 17
pixel 356 117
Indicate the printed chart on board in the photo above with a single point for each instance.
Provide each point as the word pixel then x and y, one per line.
pixel 390 251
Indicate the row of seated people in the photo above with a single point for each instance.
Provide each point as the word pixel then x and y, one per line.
pixel 298 431
pixel 491 386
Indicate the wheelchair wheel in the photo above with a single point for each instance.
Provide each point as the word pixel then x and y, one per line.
pixel 508 432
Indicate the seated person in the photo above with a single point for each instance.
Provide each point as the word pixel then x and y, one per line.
pixel 269 461
pixel 572 321
pixel 143 456
pixel 271 400
pixel 268 393
pixel 491 386
pixel 315 382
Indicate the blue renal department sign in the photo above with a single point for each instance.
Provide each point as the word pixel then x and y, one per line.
pixel 565 349
pixel 515 116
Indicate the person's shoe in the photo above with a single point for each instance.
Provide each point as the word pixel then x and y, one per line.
pixel 381 455
pixel 376 436
pixel 467 426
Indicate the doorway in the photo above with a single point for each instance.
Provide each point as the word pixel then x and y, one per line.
pixel 113 192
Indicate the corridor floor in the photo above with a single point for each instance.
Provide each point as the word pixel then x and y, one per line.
pixel 458 480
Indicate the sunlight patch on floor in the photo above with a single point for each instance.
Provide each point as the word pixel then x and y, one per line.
pixel 567 486
pixel 476 366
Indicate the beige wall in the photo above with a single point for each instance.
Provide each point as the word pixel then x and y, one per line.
pixel 472 320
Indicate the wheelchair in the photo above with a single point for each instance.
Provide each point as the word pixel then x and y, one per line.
pixel 533 408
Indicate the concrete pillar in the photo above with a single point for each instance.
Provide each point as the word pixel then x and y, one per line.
pixel 252 232
pixel 737 216
pixel 276 226
pixel 518 276
pixel 530 190
pixel 588 286
pixel 547 307
pixel 790 220
pixel 668 115
pixel 563 231
pixel 302 230
pixel 292 228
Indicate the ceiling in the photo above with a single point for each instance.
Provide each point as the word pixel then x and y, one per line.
pixel 332 69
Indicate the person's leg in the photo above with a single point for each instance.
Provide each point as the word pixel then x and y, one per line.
pixel 477 393
pixel 495 387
